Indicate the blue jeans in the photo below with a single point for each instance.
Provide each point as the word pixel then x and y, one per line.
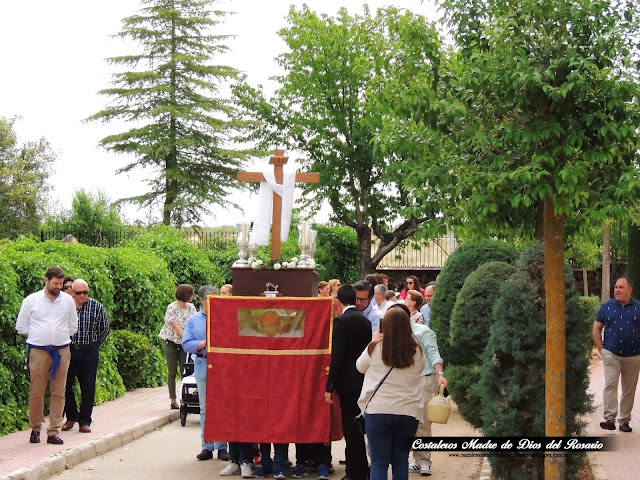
pixel 280 453
pixel 200 374
pixel 390 438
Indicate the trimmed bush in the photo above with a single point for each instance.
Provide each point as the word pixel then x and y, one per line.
pixel 470 323
pixel 464 260
pixel 140 363
pixel 185 260
pixel 143 289
pixel 109 383
pixel 10 302
pixel 14 388
pixel 513 374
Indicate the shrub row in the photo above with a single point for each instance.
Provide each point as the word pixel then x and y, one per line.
pixel 495 346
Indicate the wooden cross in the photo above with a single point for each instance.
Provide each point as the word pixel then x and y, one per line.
pixel 277 160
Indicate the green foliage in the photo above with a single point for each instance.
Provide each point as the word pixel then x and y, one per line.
pixel 30 259
pixel 10 302
pixel 338 97
pixel 181 126
pixel 140 363
pixel 513 376
pixel 90 212
pixel 109 383
pixel 24 172
pixel 14 388
pixel 547 100
pixel 589 305
pixel 633 266
pixel 470 323
pixel 337 254
pixel 143 289
pixel 222 259
pixel 464 260
pixel 185 260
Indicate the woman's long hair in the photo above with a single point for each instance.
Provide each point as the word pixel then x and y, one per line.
pixel 398 344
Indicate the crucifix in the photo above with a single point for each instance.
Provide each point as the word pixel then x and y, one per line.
pixel 278 160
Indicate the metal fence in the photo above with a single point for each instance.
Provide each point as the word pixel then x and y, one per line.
pixel 411 255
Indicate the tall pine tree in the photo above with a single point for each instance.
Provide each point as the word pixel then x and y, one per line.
pixel 170 92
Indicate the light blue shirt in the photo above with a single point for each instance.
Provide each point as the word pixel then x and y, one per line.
pixel 374 315
pixel 195 331
pixel 425 310
pixel 429 343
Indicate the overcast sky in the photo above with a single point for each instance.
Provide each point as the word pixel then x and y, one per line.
pixel 53 64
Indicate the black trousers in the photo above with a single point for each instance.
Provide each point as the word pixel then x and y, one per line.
pixel 355 451
pixel 84 366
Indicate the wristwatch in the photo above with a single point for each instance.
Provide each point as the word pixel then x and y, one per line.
pixel 440 373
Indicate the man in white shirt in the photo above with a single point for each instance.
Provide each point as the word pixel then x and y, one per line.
pixel 48 319
pixel 379 295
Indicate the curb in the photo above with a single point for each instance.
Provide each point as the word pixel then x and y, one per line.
pixel 69 458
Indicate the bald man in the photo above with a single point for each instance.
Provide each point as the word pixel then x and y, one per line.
pixel 93 327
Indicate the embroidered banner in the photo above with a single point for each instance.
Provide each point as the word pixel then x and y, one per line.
pixel 267 369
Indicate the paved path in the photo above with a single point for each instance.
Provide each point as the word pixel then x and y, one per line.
pixel 142 411
pixel 115 423
pixel 624 462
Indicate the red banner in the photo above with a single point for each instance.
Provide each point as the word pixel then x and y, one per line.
pixel 267 369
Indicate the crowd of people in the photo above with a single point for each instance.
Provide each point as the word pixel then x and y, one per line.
pixel 385 364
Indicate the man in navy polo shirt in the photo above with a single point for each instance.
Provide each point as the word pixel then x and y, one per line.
pixel 620 352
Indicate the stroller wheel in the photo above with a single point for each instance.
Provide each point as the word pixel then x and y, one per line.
pixel 183 416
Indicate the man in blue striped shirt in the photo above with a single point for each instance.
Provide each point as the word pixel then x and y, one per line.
pixel 93 327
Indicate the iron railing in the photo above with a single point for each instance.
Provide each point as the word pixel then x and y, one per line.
pixel 412 255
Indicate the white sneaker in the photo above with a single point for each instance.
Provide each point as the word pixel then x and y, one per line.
pixel 231 469
pixel 414 468
pixel 246 470
pixel 425 471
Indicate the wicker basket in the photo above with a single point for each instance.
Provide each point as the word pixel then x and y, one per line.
pixel 439 407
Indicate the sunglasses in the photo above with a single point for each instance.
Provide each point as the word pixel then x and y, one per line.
pixel 67 287
pixel 84 292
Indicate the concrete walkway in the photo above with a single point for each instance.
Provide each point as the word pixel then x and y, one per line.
pixel 121 421
pixel 624 462
pixel 115 423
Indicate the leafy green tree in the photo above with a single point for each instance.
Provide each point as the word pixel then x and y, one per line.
pixel 171 94
pixel 336 97
pixel 24 171
pixel 91 213
pixel 546 114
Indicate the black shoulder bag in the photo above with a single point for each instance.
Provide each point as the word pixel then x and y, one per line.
pixel 360 418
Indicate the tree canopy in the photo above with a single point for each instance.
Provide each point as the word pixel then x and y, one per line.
pixel 337 96
pixel 171 94
pixel 24 171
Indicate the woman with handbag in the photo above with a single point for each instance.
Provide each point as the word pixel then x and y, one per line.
pixel 391 398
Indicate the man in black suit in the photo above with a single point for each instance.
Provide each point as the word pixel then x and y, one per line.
pixel 351 335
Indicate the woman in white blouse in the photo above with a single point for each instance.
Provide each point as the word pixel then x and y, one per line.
pixel 174 321
pixel 393 413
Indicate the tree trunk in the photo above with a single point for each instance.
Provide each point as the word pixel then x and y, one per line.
pixel 556 338
pixel 606 263
pixel 585 282
pixel 633 267
pixel 364 241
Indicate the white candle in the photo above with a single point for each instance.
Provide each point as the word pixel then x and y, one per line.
pixel 244 232
pixel 304 233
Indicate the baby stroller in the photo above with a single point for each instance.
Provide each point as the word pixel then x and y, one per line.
pixel 189 403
